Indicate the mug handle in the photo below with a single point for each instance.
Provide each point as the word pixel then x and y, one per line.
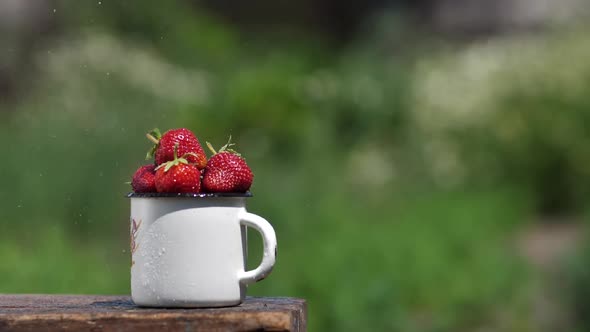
pixel 269 240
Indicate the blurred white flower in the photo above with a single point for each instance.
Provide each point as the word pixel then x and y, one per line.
pixel 503 91
pixel 370 166
pixel 138 66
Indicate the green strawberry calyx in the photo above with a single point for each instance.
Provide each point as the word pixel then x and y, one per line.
pixel 176 161
pixel 226 148
pixel 154 136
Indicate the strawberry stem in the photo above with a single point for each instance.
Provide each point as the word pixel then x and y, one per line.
pixel 225 148
pixel 175 151
pixel 211 148
pixel 176 161
pixel 152 138
pixel 227 145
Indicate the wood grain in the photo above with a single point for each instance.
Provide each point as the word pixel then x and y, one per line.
pixel 119 313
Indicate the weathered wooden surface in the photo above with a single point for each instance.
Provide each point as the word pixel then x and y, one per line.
pixel 118 313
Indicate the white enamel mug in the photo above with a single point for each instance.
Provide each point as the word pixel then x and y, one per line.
pixel 189 250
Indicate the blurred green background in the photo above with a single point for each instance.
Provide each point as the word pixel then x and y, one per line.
pixel 425 164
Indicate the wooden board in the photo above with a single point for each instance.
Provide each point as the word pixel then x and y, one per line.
pixel 118 313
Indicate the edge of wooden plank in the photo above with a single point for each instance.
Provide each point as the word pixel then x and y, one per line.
pixel 26 313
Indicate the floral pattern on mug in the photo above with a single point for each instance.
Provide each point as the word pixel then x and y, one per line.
pixel 133 237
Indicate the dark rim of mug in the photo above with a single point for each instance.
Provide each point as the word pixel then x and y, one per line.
pixel 190 195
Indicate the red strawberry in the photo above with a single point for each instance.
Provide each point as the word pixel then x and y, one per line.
pixel 227 171
pixel 144 179
pixel 163 149
pixel 178 176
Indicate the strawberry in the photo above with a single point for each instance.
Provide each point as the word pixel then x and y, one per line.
pixel 177 175
pixel 144 179
pixel 226 171
pixel 163 149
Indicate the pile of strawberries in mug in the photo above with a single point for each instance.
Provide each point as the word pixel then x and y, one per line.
pixel 181 166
